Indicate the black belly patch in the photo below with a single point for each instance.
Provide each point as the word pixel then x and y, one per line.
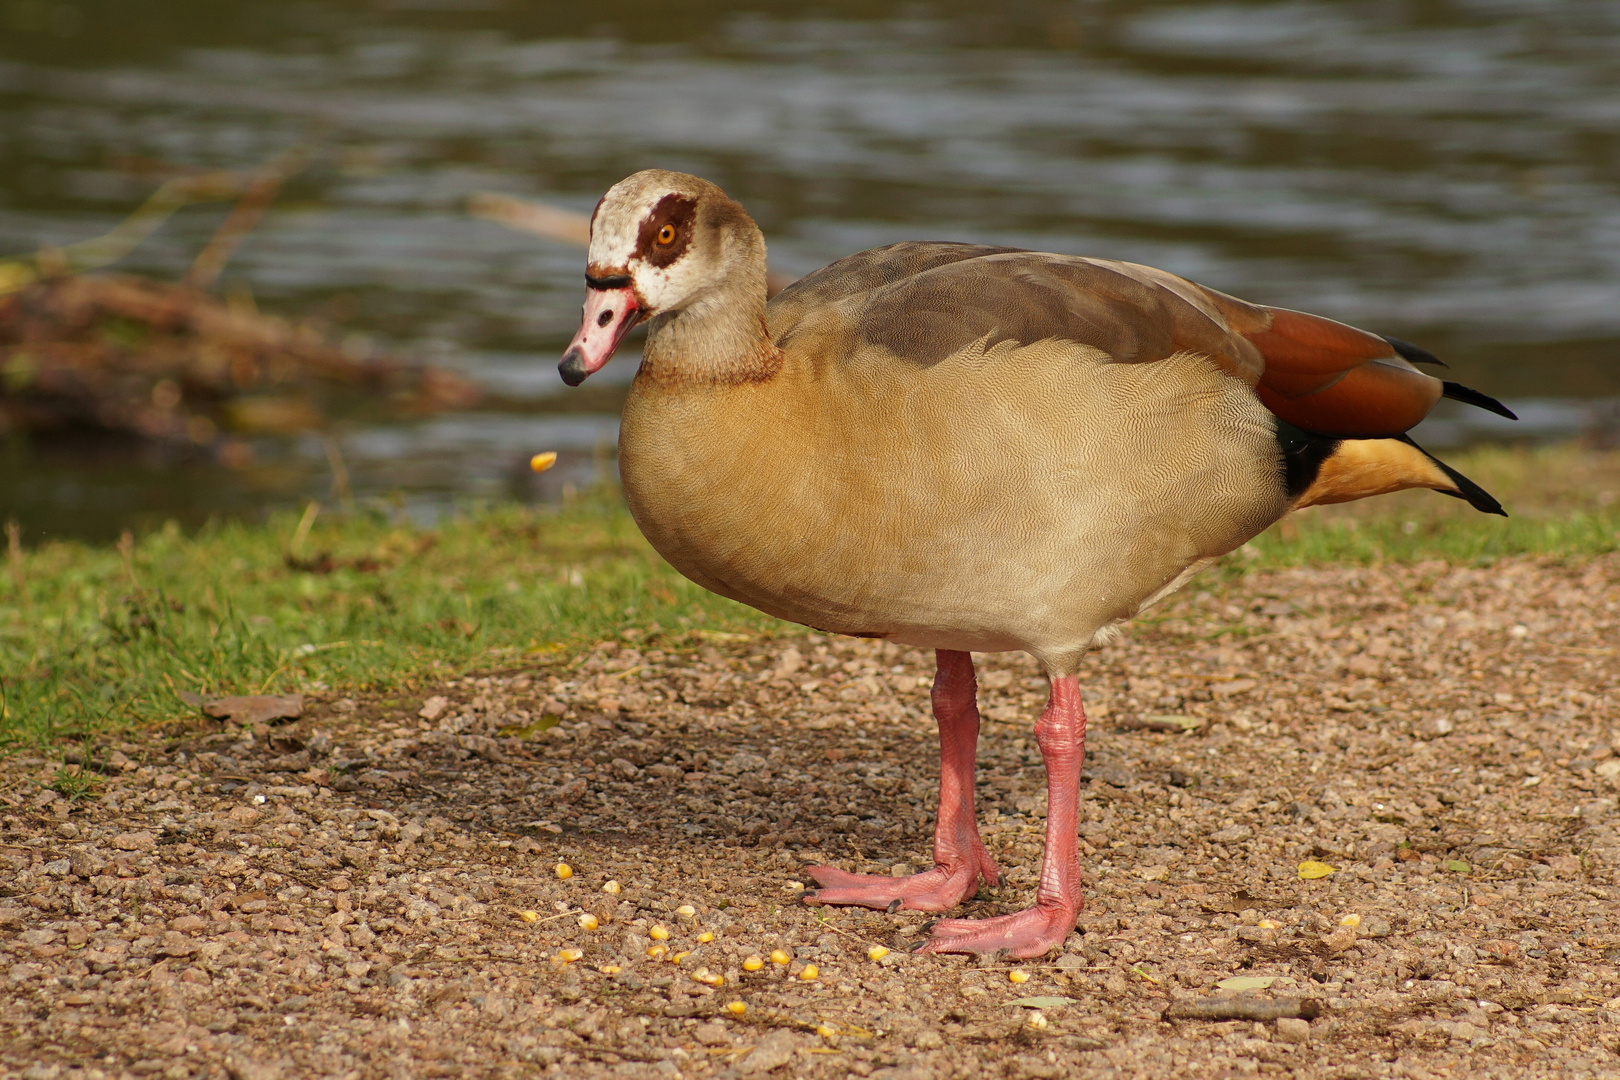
pixel 1302 455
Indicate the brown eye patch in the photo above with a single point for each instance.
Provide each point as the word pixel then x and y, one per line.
pixel 666 232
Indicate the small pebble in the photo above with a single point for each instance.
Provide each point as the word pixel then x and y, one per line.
pixel 1292 1030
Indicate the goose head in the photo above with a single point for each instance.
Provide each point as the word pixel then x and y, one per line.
pixel 662 244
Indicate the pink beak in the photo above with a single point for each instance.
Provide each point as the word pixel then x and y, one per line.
pixel 609 315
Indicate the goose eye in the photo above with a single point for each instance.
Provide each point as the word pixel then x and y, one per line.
pixel 666 235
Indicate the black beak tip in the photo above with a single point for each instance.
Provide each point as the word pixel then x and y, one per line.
pixel 572 368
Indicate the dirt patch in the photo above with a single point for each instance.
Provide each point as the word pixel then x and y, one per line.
pixel 346 895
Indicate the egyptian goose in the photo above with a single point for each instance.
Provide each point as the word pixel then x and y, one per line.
pixel 970 448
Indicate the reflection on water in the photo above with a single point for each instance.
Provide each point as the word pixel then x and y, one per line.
pixel 1448 173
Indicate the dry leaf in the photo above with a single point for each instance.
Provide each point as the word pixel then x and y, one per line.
pixel 1310 870
pixel 256 708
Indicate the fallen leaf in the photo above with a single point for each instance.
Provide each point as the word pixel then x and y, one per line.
pixel 724 637
pixel 1044 1002
pixel 256 708
pixel 1253 982
pixel 1310 870
pixel 529 731
pixel 1457 866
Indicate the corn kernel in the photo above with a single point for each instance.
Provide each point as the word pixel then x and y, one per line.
pixel 736 1008
pixel 1037 1020
pixel 613 888
pixel 564 871
pixel 588 921
pixel 876 952
pixel 753 963
pixel 1351 920
pixel 1018 976
pixel 809 972
pixel 610 969
pixel 686 911
pixel 659 933
pixel 655 951
pixel 825 1031
pixel 543 461
pixel 780 957
pixel 568 956
pixel 708 978
pixel 529 916
pixel 1269 924
pixel 706 937
pixel 676 958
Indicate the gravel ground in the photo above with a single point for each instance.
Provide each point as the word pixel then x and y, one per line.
pixel 371 890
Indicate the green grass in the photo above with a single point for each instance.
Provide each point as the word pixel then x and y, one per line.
pixel 94 639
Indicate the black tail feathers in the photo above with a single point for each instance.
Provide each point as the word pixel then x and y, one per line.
pixel 1413 354
pixel 1459 392
pixel 1467 490
pixel 1455 391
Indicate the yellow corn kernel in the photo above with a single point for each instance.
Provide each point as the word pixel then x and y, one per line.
pixel 610 969
pixel 708 978
pixel 1037 1020
pixel 659 933
pixel 809 972
pixel 613 888
pixel 780 957
pixel 543 461
pixel 876 952
pixel 753 963
pixel 686 911
pixel 588 921
pixel 706 937
pixel 736 1008
pixel 676 958
pixel 529 916
pixel 655 951
pixel 564 871
pixel 825 1031
pixel 1351 920
pixel 1269 924
pixel 568 956
pixel 1018 976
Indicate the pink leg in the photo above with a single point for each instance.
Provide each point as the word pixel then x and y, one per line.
pixel 959 855
pixel 1061 734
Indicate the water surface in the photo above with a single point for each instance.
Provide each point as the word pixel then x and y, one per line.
pixel 1443 172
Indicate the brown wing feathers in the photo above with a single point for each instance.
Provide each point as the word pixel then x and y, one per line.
pixel 1334 383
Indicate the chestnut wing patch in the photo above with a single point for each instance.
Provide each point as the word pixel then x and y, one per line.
pixel 1327 377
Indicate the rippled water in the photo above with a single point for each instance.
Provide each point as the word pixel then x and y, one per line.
pixel 1445 172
